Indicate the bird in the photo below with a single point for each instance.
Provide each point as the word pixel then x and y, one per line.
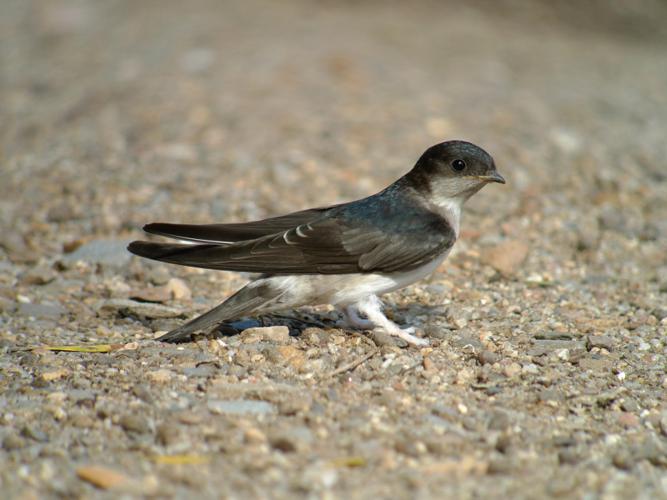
pixel 346 254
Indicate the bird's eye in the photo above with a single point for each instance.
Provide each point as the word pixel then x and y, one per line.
pixel 458 165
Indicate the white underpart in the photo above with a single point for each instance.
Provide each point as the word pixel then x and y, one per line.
pixel 450 209
pixel 356 293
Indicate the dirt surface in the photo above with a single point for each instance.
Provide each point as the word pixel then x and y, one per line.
pixel 546 374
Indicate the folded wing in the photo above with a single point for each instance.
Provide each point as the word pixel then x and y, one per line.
pixel 230 233
pixel 336 244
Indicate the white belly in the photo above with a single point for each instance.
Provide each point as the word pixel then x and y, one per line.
pixel 345 289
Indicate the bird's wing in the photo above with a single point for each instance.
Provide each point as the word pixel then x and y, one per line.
pixel 230 233
pixel 336 244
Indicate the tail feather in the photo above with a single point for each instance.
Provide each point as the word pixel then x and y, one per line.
pixel 167 252
pixel 259 296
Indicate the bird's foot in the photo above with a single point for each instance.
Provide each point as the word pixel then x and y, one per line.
pixel 354 320
pixel 406 334
pixel 371 307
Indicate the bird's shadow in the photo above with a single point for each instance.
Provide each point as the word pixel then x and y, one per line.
pixel 297 321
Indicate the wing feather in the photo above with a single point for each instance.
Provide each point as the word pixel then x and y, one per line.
pixel 337 244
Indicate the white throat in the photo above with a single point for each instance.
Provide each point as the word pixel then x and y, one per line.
pixel 450 209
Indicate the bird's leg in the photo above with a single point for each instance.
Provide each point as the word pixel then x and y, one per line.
pixel 371 307
pixel 356 321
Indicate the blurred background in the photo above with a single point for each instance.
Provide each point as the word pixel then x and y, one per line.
pixel 116 113
pixel 548 321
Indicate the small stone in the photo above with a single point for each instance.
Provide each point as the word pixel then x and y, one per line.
pixel 240 407
pixel 292 356
pixel 168 434
pixel 106 252
pixel 596 364
pixel 298 438
pixel 623 459
pixel 127 307
pixel 512 370
pixel 255 436
pixel 178 289
pixel 160 376
pixel 82 421
pixel 293 405
pixel 203 370
pixel 151 294
pixel 485 357
pixel 314 335
pixel 562 354
pixel 503 443
pixel 102 477
pixel 599 341
pixel 40 311
pixel 40 275
pixel 499 421
pixel 568 456
pixel 530 369
pixel 13 442
pixel 274 334
pixel 630 405
pixel 507 256
pixel 142 392
pixel 52 375
pixel 410 447
pixel 158 275
pixel 550 396
pixel 35 434
pixel 381 339
pixel 500 465
pixel 465 376
pixel 663 423
pixel 628 419
pixel 135 423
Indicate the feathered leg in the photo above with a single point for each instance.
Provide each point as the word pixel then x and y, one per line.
pixel 371 307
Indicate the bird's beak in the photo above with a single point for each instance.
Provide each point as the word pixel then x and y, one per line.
pixel 494 177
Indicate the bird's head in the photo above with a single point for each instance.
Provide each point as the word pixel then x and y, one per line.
pixel 453 170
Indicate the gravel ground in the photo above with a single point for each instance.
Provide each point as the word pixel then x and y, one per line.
pixel 546 374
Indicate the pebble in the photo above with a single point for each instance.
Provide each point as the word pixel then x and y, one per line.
pixel 241 407
pixel 13 442
pixel 174 289
pixel 294 439
pixel 178 289
pixel 600 341
pixel 568 456
pixel 102 477
pixel 630 405
pixel 290 355
pixel 499 420
pixel 52 375
pixel 148 310
pixel 274 334
pixel 663 423
pixel 34 433
pixel 512 370
pixel 112 253
pixel 204 370
pixel 135 423
pixel 41 311
pixel 40 275
pixel 485 357
pixel 160 376
pixel 628 419
pixel 169 434
pixel 506 257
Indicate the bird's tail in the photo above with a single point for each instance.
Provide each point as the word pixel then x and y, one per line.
pixel 261 296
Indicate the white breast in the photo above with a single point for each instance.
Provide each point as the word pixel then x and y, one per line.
pixel 354 287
